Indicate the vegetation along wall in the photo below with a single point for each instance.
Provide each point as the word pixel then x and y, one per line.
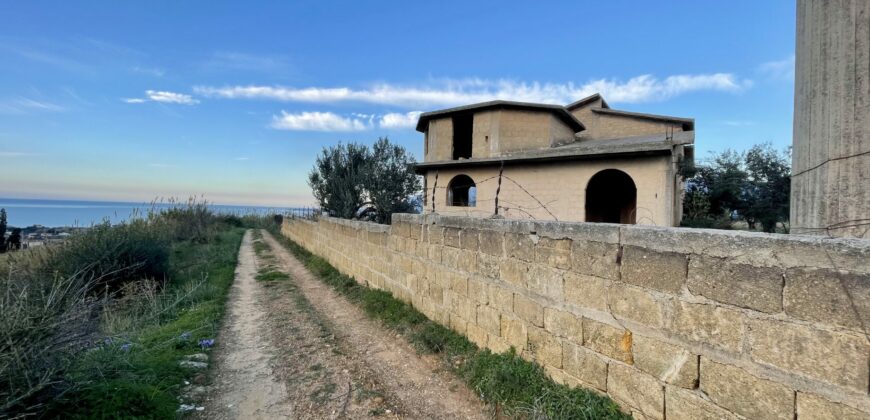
pixel 676 323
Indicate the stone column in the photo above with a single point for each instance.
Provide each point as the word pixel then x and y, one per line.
pixel 830 189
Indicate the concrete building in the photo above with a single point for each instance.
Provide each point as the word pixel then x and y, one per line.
pixel 830 191
pixel 580 162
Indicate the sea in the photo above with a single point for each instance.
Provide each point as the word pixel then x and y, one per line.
pixel 78 213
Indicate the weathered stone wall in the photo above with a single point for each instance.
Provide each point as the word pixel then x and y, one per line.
pixel 675 323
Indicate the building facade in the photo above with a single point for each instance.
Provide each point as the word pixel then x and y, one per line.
pixel 580 162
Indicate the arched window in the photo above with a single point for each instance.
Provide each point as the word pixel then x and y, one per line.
pixel 462 192
pixel 611 197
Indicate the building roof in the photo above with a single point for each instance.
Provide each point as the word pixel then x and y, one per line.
pixel 595 96
pixel 686 121
pixel 657 144
pixel 557 110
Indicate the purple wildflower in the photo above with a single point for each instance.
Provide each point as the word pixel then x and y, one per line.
pixel 206 343
pixel 126 347
pixel 108 341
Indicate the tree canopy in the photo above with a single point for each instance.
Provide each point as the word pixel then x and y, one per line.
pixel 355 181
pixel 752 186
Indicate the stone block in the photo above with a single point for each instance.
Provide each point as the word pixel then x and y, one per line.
pixel 514 272
pixel 469 239
pixel 683 404
pixel 450 257
pixel 584 365
pixel 462 306
pixel 586 291
pixel 478 290
pixel 451 237
pixel 553 252
pixel 415 231
pixel 608 340
pixel 528 310
pixel 638 390
pixel 488 266
pixel 743 285
pixel 740 392
pixel 564 324
pixel 667 362
pixel 458 323
pixel 595 259
pixel 492 243
pixel 519 246
pixel 515 333
pixel 710 324
pixel 467 262
pixel 811 406
pixel 476 335
pixel 828 296
pixel 834 357
pixel 501 298
pixel 489 319
pixel 629 302
pixel 497 344
pixel 544 347
pixel 662 271
pixel 546 281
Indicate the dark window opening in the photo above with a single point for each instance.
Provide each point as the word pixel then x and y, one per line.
pixel 611 197
pixel 462 128
pixel 462 192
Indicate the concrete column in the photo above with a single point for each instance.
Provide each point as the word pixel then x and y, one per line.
pixel 830 192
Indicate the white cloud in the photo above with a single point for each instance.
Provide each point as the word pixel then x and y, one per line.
pixel 317 121
pixel 22 105
pixel 241 158
pixel 165 97
pixel 739 123
pixel 779 69
pixel 397 120
pixel 448 92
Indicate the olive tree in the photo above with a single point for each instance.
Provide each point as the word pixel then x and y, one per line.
pixel 354 181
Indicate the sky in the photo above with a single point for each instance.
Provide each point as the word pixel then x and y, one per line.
pixel 134 101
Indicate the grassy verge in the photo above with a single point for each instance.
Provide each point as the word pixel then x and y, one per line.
pixel 514 386
pixel 136 372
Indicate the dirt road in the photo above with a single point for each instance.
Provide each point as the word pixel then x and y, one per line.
pixel 293 348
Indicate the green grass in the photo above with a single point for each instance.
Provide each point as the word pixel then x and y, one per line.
pixel 513 385
pixel 268 276
pixel 144 381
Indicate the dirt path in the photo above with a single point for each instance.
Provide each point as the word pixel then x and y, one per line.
pixel 293 348
pixel 245 385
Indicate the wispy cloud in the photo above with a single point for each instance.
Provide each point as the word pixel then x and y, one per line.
pixel 398 120
pixel 779 69
pixel 163 97
pixel 242 158
pixel 317 121
pixel 23 105
pixel 151 71
pixel 644 88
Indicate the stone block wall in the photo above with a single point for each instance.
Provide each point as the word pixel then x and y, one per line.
pixel 670 323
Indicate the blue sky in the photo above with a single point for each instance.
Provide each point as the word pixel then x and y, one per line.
pixel 139 100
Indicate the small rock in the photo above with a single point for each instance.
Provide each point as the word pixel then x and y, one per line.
pixel 193 365
pixel 200 408
pixel 183 408
pixel 378 400
pixel 200 379
pixel 199 357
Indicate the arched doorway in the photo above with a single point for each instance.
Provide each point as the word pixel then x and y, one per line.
pixel 462 192
pixel 611 197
